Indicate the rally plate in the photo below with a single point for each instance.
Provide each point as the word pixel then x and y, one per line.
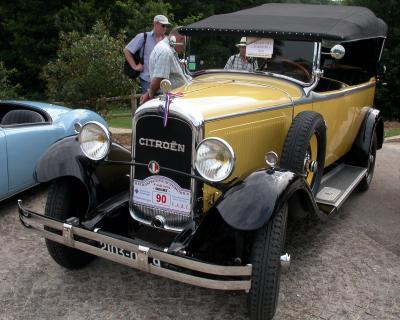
pixel 162 193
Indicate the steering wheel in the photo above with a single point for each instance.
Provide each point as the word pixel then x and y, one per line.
pixel 286 66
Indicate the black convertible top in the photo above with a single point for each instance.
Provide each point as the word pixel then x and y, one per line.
pixel 295 22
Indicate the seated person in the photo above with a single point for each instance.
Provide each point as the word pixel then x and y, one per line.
pixel 240 61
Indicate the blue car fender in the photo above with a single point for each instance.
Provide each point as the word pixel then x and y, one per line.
pixel 252 203
pixel 68 119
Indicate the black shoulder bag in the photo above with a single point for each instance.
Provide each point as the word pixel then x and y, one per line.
pixel 131 73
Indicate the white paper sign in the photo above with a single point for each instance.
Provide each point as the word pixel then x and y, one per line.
pixel 260 47
pixel 163 193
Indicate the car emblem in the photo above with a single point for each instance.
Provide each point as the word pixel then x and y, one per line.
pixel 153 167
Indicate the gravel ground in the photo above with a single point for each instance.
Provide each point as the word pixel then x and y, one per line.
pixel 345 268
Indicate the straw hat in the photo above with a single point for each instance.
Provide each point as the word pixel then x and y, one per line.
pixel 242 43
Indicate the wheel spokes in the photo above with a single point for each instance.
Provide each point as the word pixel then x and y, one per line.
pixel 310 160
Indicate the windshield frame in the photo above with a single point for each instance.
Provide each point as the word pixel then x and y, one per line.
pixel 306 85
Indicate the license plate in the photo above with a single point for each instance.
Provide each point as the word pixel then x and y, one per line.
pixel 118 251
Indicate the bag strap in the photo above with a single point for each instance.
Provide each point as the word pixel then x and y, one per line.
pixel 144 45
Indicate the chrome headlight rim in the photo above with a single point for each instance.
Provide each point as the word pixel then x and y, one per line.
pixel 107 135
pixel 232 155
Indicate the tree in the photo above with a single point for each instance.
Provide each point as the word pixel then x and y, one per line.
pixel 87 68
pixel 29 38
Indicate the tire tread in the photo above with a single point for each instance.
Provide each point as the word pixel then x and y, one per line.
pixel 59 205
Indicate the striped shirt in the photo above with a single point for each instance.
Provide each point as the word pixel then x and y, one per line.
pixel 165 64
pixel 235 62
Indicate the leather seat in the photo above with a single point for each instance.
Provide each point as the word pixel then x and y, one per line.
pixel 21 117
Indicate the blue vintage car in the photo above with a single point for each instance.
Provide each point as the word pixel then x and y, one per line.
pixel 27 129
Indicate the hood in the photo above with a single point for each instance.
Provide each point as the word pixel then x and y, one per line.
pixel 216 95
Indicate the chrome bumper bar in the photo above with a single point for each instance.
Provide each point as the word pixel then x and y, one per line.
pixel 143 258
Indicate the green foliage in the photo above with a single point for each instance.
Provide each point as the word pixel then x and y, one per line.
pixel 28 38
pixel 388 93
pixel 7 90
pixel 87 68
pixel 139 17
pixel 80 16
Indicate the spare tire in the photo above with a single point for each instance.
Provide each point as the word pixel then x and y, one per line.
pixel 304 148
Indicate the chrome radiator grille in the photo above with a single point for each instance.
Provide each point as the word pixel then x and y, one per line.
pixel 172 220
pixel 170 147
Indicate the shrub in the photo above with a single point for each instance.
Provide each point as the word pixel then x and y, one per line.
pixel 87 68
pixel 7 90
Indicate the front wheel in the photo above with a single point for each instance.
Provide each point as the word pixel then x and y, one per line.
pixel 266 250
pixel 63 203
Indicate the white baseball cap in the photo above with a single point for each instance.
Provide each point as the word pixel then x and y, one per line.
pixel 161 19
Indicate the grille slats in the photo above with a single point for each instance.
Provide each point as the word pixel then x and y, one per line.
pixel 174 221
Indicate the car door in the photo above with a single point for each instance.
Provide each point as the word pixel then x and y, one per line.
pixel 342 110
pixel 25 145
pixel 3 166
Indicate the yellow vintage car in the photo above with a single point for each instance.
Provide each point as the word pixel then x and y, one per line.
pixel 278 122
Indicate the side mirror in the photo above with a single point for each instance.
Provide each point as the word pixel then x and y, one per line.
pixel 165 86
pixel 337 51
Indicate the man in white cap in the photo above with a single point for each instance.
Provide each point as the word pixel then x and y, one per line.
pixel 144 43
pixel 240 61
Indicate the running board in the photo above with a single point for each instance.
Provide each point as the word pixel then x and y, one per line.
pixel 337 185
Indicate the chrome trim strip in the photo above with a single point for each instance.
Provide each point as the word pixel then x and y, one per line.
pixel 316 96
pixel 281 106
pixel 142 255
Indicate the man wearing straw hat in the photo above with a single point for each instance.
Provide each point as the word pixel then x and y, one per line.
pixel 240 61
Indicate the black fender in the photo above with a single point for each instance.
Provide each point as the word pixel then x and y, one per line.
pixel 101 180
pixel 253 202
pixel 372 121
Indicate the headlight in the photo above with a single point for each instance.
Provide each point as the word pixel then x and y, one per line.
pixel 94 140
pixel 215 159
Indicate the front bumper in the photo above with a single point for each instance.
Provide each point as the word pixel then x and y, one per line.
pixel 143 258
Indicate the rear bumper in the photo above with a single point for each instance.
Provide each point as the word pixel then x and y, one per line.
pixel 143 258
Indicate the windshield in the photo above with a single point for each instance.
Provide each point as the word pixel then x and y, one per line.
pixel 292 59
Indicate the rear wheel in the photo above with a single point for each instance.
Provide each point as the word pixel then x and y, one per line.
pixel 266 250
pixel 304 148
pixel 369 163
pixel 62 204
